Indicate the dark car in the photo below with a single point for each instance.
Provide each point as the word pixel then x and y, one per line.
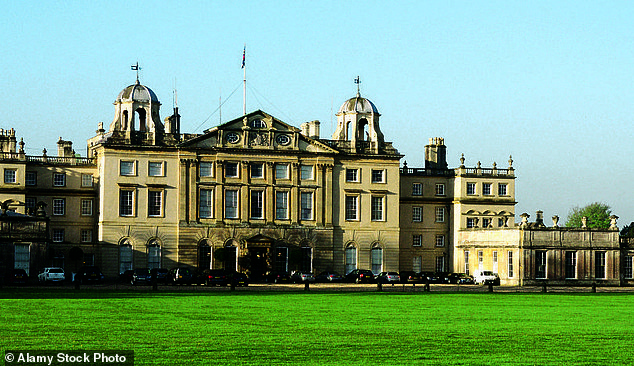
pixel 240 279
pixel 329 276
pixel 360 276
pixel 126 276
pixel 89 274
pixel 429 277
pixel 410 277
pixel 443 277
pixel 141 276
pixel 17 276
pixel 278 277
pixel 160 274
pixel 461 278
pixel 213 277
pixel 181 276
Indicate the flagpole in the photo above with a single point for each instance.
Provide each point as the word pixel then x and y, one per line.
pixel 244 81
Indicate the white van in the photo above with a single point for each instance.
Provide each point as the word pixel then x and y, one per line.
pixel 485 277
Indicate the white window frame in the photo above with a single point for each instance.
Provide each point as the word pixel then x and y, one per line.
pixel 59 179
pixel 252 171
pixel 86 207
pixel 417 214
pixel 230 166
pixel 471 189
pixel 206 203
pixel 85 235
pixel 440 189
pixel 281 171
pixel 487 189
pixel 87 180
pixel 417 240
pixel 256 204
pixel 127 168
pixel 59 206
pixel 510 271
pixel 466 262
pixel 377 208
pixel 10 176
pixel 440 240
pixel 206 169
pixel 440 214
pixel 378 175
pixel 351 207
pixel 494 254
pixel 417 189
pixel 281 205
pixel 352 175
pixel 154 202
pixel 502 189
pixel 306 206
pixel 307 172
pixel 232 204
pixel 573 263
pixel 541 259
pixel 129 203
pixel 155 169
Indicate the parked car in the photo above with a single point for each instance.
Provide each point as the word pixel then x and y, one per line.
pixel 240 279
pixel 213 277
pixel 360 276
pixel 302 277
pixel 278 277
pixel 388 277
pixel 484 277
pixel 141 276
pixel 161 275
pixel 181 276
pixel 409 277
pixel 443 277
pixel 52 274
pixel 428 277
pixel 126 276
pixel 17 276
pixel 328 276
pixel 461 279
pixel 89 274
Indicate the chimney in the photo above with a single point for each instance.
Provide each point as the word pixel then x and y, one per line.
pixel 64 148
pixel 436 154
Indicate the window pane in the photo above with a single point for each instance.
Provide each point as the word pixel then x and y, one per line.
pixel 440 214
pixel 155 169
pixel 125 203
pixel 377 208
pixel 59 206
pixel 281 205
pixel 351 259
pixel 351 207
pixel 127 168
pixel 86 180
pixel 86 207
pixel 281 171
pixel 352 175
pixel 502 189
pixel 231 204
pixel 31 178
pixel 377 176
pixel 206 203
pixel 306 205
pixel 471 188
pixel 257 170
pixel 9 176
pixel 125 258
pixel 231 170
pixel 206 169
pixel 417 214
pixel 257 204
pixel 417 189
pixel 154 203
pixel 377 260
pixel 306 172
pixel 440 189
pixel 59 179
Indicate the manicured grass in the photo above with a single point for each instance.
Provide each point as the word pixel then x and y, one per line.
pixel 366 328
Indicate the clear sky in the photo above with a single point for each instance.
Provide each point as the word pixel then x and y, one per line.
pixel 549 82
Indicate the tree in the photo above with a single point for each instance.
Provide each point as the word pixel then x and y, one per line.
pixel 598 215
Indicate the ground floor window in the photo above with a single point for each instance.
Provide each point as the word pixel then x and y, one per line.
pixel 599 265
pixel 307 259
pixel 351 259
pixel 510 269
pixel 417 264
pixel 627 267
pixel 281 259
pixel 22 257
pixel 231 258
pixel 440 264
pixel 154 256
pixel 540 264
pixel 125 257
pixel 204 256
pixel 377 260
pixel 571 264
pixel 466 262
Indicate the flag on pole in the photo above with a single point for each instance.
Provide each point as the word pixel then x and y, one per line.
pixel 244 55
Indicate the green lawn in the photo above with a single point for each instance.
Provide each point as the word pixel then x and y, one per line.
pixel 366 328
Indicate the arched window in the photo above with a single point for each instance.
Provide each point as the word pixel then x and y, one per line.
pixel 351 258
pixel 125 256
pixel 153 254
pixel 306 258
pixel 376 259
pixel 204 255
pixel 231 255
pixel 141 115
pixel 126 120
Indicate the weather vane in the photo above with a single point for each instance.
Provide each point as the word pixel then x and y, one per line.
pixel 357 81
pixel 136 68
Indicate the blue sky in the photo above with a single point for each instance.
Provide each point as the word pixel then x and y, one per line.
pixel 549 82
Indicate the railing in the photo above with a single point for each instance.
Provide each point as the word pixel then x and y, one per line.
pixel 429 172
pixel 57 160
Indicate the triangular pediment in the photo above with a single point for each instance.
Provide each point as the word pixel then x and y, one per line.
pixel 257 131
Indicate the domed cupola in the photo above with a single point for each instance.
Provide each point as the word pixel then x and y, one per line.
pixel 137 109
pixel 358 121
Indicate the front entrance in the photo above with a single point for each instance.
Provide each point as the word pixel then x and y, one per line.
pixel 258 263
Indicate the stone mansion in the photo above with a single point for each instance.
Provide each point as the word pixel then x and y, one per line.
pixel 258 195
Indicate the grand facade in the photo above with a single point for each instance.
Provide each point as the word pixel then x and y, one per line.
pixel 259 196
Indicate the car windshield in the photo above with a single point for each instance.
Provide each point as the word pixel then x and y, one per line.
pixel 56 270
